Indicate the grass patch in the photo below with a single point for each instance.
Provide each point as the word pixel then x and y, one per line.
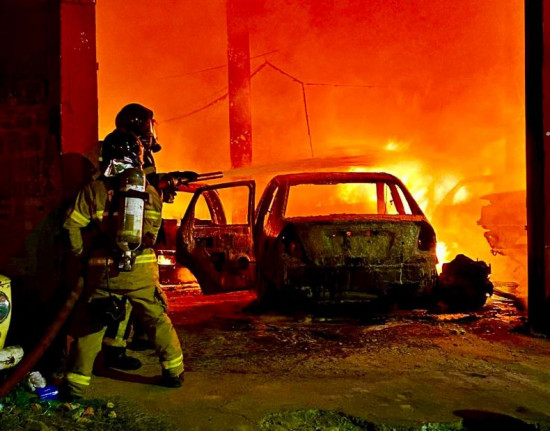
pixel 23 410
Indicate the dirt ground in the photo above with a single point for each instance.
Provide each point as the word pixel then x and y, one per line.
pixel 406 370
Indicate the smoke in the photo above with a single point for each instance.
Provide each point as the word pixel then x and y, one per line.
pixel 441 80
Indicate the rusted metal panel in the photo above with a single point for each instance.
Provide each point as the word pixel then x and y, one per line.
pixel 375 257
pixel 220 254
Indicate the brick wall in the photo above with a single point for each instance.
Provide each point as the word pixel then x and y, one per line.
pixel 41 45
pixel 29 126
pixel 29 179
pixel 37 176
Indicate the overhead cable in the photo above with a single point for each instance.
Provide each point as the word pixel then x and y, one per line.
pixel 287 75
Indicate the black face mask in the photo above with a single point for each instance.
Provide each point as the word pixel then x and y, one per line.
pixel 155 147
pixel 148 159
pixel 150 143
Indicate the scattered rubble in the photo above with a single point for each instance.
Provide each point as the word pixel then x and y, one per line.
pixel 24 410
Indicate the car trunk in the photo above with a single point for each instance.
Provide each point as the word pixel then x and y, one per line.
pixel 354 259
pixel 346 242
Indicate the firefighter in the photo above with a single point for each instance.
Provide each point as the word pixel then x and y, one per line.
pixel 137 120
pixel 118 269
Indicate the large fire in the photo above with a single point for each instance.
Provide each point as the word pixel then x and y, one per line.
pixel 449 207
pixel 431 92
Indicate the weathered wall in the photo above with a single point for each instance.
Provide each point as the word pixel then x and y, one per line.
pixel 30 185
pixel 48 120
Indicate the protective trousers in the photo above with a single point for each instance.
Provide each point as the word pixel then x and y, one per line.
pixel 116 334
pixel 141 288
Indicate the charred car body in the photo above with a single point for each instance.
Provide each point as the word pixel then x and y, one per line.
pixel 324 237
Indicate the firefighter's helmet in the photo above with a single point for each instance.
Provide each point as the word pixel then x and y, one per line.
pixel 123 147
pixel 138 119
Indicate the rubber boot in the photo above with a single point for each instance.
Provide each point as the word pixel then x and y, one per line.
pixel 171 381
pixel 66 395
pixel 115 357
pixel 140 344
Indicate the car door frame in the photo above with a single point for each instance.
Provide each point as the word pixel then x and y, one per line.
pixel 220 255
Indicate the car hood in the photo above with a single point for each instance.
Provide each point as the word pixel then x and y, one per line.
pixel 359 241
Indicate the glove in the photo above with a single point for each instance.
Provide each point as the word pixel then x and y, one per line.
pixel 188 176
pixel 169 195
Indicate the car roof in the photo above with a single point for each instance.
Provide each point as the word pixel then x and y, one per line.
pixel 308 177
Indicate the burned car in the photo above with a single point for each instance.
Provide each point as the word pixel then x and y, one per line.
pixel 323 237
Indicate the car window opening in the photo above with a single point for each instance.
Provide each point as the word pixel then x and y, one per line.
pixel 376 198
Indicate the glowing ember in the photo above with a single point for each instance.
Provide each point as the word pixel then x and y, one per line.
pixel 461 196
pixel 442 255
pixel 392 146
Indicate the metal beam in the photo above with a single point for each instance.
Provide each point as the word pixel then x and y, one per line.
pixel 537 104
pixel 238 57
